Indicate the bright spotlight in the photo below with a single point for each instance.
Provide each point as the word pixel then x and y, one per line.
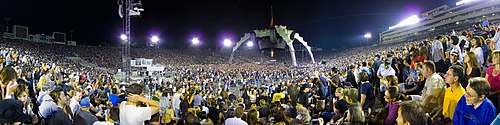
pixel 408 21
pixel 368 35
pixel 250 43
pixel 465 2
pixel 227 42
pixel 195 41
pixel 155 39
pixel 123 37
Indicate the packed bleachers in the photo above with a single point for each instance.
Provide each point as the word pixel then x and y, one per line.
pixel 445 79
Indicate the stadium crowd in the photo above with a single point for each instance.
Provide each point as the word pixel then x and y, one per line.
pixel 448 79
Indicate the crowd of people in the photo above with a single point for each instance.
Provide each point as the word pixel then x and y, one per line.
pixel 448 79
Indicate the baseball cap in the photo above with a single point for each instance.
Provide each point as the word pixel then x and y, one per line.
pixel 387 62
pixel 454 53
pixel 85 102
pixel 49 85
pixel 377 55
pixel 347 84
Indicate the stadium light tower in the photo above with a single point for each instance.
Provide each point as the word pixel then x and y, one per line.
pixel 123 37
pixel 368 36
pixel 406 22
pixel 155 39
pixel 250 44
pixel 126 10
pixel 227 42
pixel 195 41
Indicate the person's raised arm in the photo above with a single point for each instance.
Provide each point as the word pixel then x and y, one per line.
pixel 154 105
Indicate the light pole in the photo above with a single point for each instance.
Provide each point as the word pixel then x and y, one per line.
pixel 71 35
pixel 250 44
pixel 7 24
pixel 368 36
pixel 127 9
pixel 155 39
pixel 195 41
pixel 227 42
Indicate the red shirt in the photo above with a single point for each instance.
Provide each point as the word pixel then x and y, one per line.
pixel 493 80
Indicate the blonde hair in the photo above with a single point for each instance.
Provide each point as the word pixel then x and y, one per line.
pixel 340 90
pixel 497 54
pixel 42 81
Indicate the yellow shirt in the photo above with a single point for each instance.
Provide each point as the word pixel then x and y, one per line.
pixel 277 97
pixel 169 115
pixel 451 99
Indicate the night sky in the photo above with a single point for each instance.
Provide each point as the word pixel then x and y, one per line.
pixel 322 23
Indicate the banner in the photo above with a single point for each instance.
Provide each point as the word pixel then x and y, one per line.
pixel 141 62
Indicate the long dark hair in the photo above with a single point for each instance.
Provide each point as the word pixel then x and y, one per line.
pixel 395 92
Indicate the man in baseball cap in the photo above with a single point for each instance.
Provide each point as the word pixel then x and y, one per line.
pixel 83 116
pixel 454 59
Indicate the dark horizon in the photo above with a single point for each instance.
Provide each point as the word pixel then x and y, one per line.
pixel 324 24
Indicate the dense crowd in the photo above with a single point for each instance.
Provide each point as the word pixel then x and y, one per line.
pixel 448 79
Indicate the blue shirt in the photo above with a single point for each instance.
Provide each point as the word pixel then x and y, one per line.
pixel 467 115
pixel 367 89
pixel 485 23
pixel 197 100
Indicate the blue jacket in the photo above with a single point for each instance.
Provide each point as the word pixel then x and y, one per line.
pixel 467 115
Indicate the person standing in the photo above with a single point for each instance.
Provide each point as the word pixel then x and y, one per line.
pixel 351 77
pixel 438 54
pixel 367 93
pixel 384 71
pixel 130 113
pixel 176 102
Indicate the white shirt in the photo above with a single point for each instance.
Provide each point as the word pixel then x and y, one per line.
pixel 457 49
pixel 479 54
pixel 496 40
pixel 433 86
pixel 132 115
pixel 385 72
pixel 204 108
pixel 176 101
pixel 435 49
pixel 102 123
pixel 460 38
pixel 74 105
pixel 235 121
pixel 8 59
